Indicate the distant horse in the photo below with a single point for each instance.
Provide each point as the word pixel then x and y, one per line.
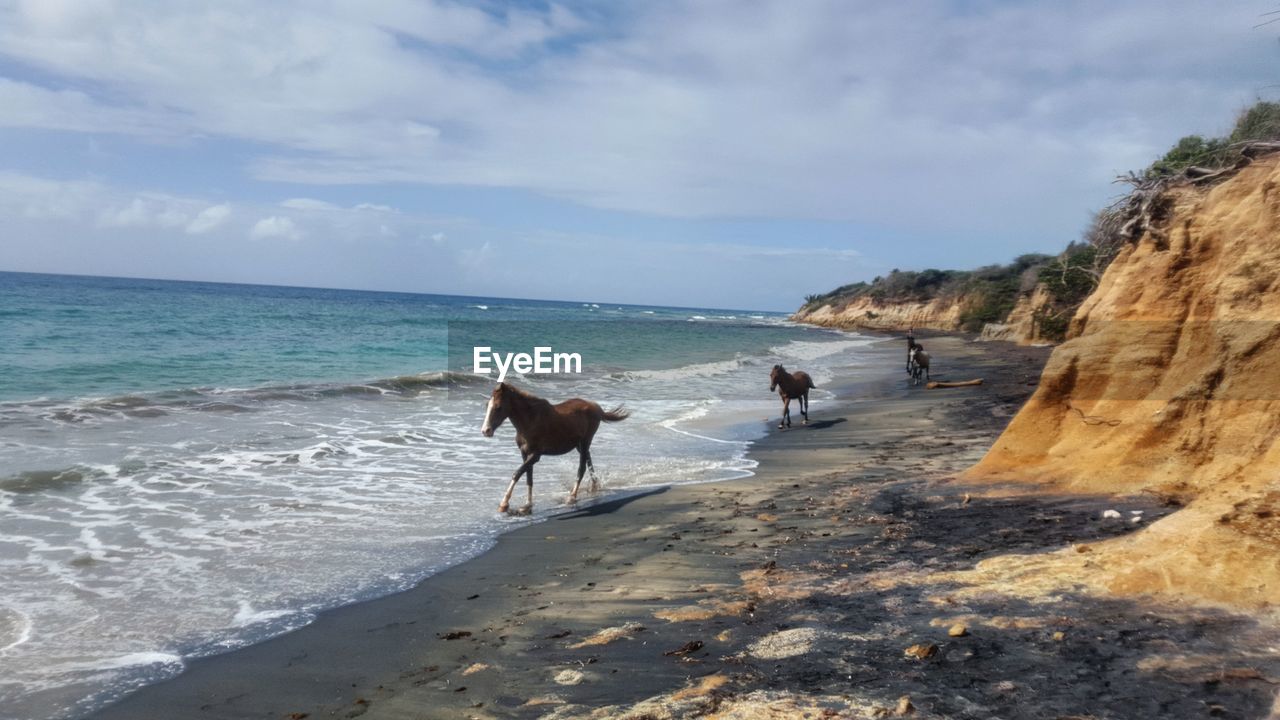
pixel 919 364
pixel 791 386
pixel 911 350
pixel 546 429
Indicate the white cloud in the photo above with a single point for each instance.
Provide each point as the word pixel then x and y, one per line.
pixel 154 211
pixel 208 219
pixel 135 214
pixel 36 198
pixel 477 259
pixel 943 125
pixel 170 217
pixel 401 250
pixel 898 113
pixel 275 226
pixel 308 204
pixel 311 204
pixel 24 104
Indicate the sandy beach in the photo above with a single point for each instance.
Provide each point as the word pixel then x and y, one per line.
pixel 836 582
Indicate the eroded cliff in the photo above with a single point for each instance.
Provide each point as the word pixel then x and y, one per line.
pixel 948 300
pixel 1169 383
pixel 1023 325
pixel 937 314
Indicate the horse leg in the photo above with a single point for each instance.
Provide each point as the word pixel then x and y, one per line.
pixel 527 465
pixel 804 406
pixel 582 470
pixel 528 508
pixel 786 411
pixel 591 468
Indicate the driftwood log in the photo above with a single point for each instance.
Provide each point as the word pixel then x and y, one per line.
pixel 935 384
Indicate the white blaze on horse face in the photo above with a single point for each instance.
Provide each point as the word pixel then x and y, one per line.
pixel 487 429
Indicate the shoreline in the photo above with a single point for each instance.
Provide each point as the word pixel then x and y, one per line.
pixel 686 599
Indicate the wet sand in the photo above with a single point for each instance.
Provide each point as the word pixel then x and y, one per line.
pixel 831 584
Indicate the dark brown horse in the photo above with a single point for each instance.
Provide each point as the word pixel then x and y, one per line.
pixel 791 386
pixel 546 429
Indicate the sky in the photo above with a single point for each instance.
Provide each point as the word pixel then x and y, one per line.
pixel 705 153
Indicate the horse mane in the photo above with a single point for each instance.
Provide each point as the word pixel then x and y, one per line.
pixel 522 393
pixel 525 395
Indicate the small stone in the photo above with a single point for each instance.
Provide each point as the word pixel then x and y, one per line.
pixel 544 700
pixel 904 706
pixel 1059 636
pixel 922 651
pixel 569 677
pixel 958 630
pixel 1111 514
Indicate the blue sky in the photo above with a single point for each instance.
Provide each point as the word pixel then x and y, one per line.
pixel 723 154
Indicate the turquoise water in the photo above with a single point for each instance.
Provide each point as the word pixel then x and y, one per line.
pixel 189 467
pixel 68 337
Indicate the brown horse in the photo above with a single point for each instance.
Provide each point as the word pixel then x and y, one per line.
pixel 546 429
pixel 791 386
pixel 919 364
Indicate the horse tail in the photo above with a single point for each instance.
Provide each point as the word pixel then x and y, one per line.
pixel 617 414
pixel 809 380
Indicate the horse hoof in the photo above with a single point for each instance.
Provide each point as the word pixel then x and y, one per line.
pixel 524 510
pixel 571 500
pixel 502 508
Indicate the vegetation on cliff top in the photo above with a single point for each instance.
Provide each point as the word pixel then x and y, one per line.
pixel 1259 123
pixel 988 294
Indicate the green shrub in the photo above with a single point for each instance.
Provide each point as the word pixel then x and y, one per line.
pixel 1258 123
pixel 1052 326
pixel 1072 275
pixel 1193 150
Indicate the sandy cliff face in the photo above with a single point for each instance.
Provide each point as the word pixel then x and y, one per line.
pixel 1021 326
pixel 937 314
pixel 1170 383
pixel 942 313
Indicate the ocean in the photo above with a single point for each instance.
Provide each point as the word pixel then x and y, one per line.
pixel 187 468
